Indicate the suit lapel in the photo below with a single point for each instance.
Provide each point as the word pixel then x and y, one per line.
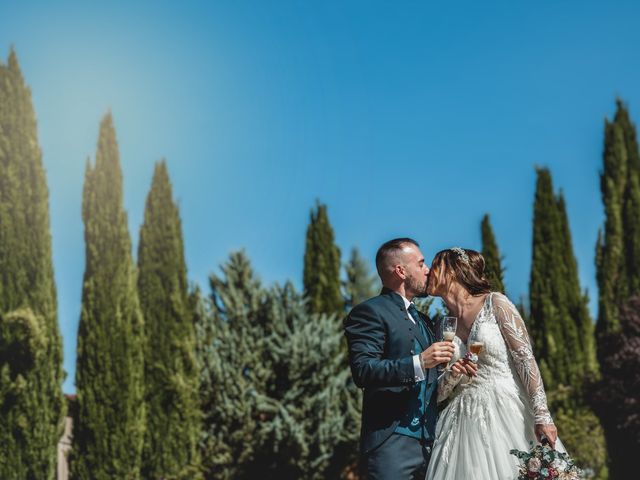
pixel 415 328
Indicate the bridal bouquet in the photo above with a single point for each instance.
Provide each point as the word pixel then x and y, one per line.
pixel 544 463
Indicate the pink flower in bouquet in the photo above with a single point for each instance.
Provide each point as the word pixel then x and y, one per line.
pixel 553 473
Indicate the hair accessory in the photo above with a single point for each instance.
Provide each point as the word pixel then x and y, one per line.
pixel 461 253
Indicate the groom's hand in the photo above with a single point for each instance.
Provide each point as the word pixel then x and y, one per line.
pixel 437 353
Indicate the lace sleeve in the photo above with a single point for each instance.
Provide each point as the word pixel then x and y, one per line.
pixel 446 383
pixel 515 336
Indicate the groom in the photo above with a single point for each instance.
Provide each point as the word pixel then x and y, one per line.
pixel 393 356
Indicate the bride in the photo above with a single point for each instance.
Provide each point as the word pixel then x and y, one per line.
pixel 498 403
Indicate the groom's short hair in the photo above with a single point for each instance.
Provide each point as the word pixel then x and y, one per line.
pixel 386 257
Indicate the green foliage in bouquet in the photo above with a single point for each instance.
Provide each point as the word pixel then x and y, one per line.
pixel 31 402
pixel 544 463
pixel 276 391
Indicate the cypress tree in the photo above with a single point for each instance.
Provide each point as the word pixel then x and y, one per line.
pixel 321 277
pixel 109 424
pixel 492 258
pixel 577 301
pixel 360 284
pixel 631 218
pixel 31 401
pixel 553 329
pixel 562 328
pixel 171 376
pixel 618 268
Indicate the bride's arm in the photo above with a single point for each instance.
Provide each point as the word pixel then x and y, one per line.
pixel 515 336
pixel 446 383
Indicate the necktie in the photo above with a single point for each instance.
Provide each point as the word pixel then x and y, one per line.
pixel 413 311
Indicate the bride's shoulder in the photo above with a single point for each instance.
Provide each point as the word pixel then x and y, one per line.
pixel 498 296
pixel 499 299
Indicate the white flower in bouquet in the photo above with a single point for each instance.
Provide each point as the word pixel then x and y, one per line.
pixel 559 464
pixel 534 464
pixel 573 475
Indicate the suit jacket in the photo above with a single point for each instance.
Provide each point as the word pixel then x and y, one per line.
pixel 381 343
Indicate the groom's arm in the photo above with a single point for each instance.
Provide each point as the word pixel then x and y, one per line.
pixel 366 337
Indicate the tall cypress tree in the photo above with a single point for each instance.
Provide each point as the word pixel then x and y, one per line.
pixel 492 258
pixel 631 222
pixel 577 301
pixel 109 424
pixel 171 375
pixel 617 260
pixel 360 284
pixel 557 337
pixel 321 277
pixel 31 401
pixel 562 328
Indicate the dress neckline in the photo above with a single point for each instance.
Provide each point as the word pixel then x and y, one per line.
pixel 475 320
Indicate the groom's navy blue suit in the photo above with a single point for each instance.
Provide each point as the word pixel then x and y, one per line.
pixel 382 341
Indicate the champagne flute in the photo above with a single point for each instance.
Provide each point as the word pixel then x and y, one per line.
pixel 476 346
pixel 449 326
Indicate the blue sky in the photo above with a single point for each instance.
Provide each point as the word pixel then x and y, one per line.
pixel 406 118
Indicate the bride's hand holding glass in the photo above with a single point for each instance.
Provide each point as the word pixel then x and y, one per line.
pixel 465 367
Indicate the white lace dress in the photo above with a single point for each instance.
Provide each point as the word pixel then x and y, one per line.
pixel 497 411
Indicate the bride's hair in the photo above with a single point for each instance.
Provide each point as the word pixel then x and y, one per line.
pixel 465 266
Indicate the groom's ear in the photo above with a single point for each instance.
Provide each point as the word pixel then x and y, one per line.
pixel 400 272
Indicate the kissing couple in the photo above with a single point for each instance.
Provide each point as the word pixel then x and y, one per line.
pixel 489 403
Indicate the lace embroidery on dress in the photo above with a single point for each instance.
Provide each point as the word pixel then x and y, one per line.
pixel 448 381
pixel 517 340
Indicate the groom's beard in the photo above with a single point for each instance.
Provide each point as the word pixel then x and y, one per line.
pixel 418 288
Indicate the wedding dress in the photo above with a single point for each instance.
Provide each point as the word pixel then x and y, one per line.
pixel 497 410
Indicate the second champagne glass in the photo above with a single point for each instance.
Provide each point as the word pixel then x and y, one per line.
pixel 475 346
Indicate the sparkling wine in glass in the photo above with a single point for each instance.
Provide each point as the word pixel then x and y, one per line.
pixel 475 346
pixel 449 325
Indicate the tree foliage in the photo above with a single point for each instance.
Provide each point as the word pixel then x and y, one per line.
pixel 31 401
pixel 110 418
pixel 171 375
pixel 276 390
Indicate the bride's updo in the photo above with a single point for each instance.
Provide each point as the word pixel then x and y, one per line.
pixel 465 266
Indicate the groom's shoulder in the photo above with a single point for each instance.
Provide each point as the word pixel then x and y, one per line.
pixel 373 304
